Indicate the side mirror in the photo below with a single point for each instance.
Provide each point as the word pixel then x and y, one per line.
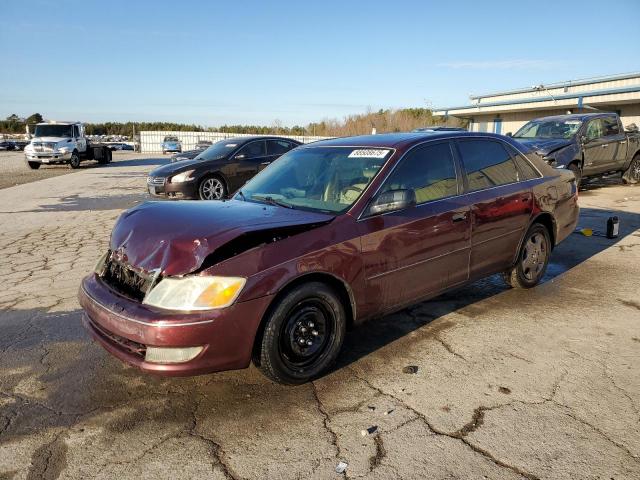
pixel 584 139
pixel 240 156
pixel 509 134
pixel 392 201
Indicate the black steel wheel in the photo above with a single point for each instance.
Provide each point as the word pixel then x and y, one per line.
pixel 303 334
pixel 34 165
pixel 533 259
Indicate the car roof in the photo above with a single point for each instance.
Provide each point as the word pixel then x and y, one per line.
pixel 240 140
pixel 574 116
pixel 398 140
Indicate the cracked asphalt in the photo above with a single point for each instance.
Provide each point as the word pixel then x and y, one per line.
pixel 538 384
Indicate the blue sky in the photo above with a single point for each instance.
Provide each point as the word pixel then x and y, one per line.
pixel 255 62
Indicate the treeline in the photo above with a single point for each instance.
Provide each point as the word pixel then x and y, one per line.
pixel 384 121
pixel 390 120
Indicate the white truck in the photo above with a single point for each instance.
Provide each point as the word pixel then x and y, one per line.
pixel 62 142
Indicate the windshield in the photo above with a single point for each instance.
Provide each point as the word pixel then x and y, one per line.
pixel 325 179
pixel 170 139
pixel 549 129
pixel 53 131
pixel 218 150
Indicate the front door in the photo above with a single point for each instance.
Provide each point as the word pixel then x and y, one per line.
pixel 501 204
pixel 411 253
pixel 599 150
pixel 249 159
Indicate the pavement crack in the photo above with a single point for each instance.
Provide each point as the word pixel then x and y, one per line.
pixel 456 436
pixel 325 421
pixel 568 412
pixel 216 449
pixel 476 422
pixel 449 348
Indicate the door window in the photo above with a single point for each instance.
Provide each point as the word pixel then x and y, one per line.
pixel 278 147
pixel 487 164
pixel 610 126
pixel 253 150
pixel 429 171
pixel 595 129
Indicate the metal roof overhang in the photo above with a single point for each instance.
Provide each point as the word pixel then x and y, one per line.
pixel 545 102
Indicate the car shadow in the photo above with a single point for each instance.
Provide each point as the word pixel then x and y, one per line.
pixel 374 334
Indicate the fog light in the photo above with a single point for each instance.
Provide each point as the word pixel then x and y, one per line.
pixel 171 355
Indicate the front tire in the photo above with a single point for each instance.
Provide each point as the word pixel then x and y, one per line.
pixel 632 175
pixel 303 335
pixel 34 165
pixel 212 188
pixel 74 161
pixel 533 259
pixel 577 171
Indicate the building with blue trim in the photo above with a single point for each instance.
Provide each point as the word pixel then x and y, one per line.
pixel 503 112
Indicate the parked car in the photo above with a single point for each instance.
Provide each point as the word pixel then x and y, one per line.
pixel 191 154
pixel 331 234
pixel 6 145
pixel 219 170
pixel 20 144
pixel 588 144
pixel 171 144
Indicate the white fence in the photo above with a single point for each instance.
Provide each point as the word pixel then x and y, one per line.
pixel 151 142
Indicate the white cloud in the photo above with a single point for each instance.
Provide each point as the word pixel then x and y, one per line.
pixel 500 64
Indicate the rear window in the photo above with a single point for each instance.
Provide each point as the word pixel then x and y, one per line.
pixel 278 147
pixel 487 164
pixel 527 171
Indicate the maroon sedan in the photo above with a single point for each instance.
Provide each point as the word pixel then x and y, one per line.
pixel 331 234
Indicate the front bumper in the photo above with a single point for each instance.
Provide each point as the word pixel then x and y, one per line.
pixel 167 148
pixel 125 327
pixel 186 190
pixel 47 157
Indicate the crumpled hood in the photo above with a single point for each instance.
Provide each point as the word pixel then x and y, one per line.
pixel 544 146
pixel 176 237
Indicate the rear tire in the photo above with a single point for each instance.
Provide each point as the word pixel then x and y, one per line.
pixel 303 334
pixel 577 171
pixel 632 175
pixel 34 165
pixel 533 259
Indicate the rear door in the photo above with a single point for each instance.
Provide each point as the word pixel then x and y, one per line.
pixel 411 253
pixel 501 204
pixel 275 149
pixel 614 133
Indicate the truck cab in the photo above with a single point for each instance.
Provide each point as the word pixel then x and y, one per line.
pixel 60 143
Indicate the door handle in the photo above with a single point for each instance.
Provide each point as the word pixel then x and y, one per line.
pixel 623 142
pixel 458 217
pixel 605 145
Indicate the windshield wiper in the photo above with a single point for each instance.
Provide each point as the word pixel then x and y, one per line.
pixel 272 201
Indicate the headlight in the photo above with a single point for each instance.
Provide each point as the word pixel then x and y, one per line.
pixel 64 150
pixel 182 177
pixel 195 293
pixel 102 262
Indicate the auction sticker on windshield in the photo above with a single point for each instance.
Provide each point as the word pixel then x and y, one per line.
pixel 370 153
